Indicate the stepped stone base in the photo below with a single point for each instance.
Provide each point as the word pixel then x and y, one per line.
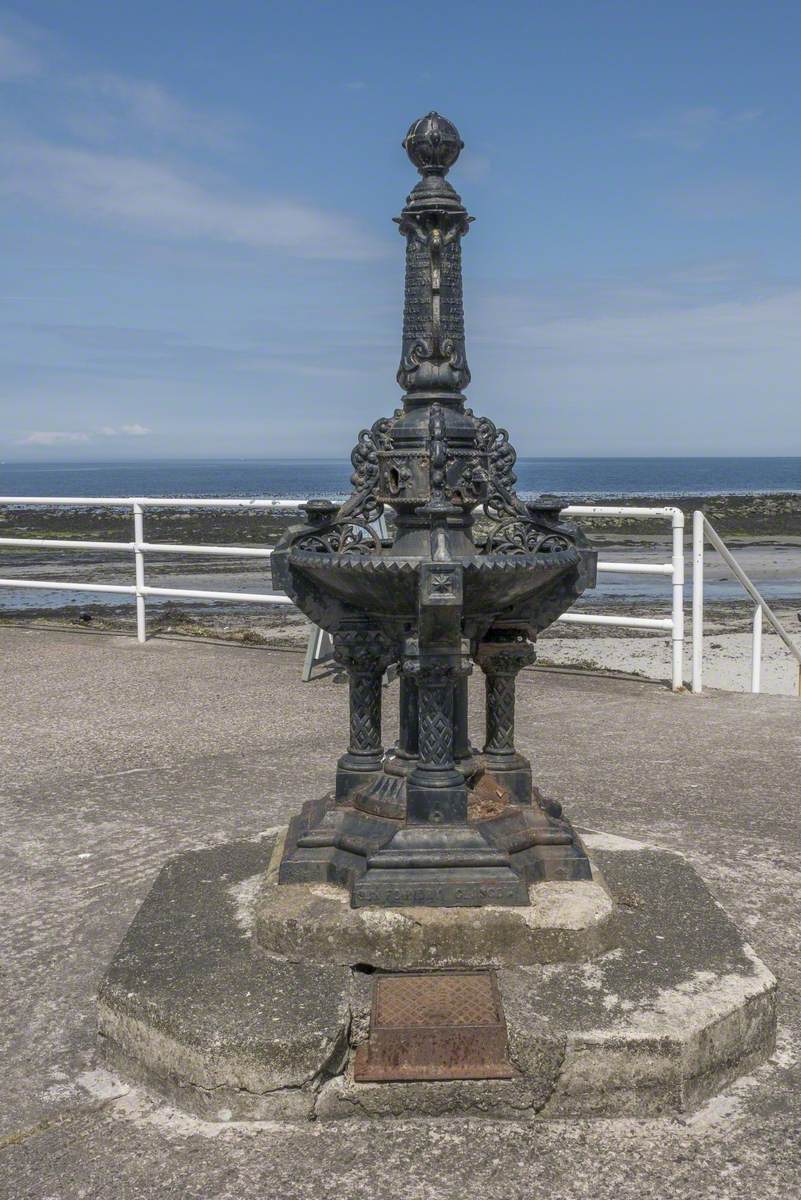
pixel 671 1007
pixel 564 922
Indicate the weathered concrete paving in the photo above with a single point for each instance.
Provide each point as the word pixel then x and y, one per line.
pixel 115 756
pixel 190 1005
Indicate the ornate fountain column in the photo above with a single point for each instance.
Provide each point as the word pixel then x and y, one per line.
pixel 430 825
pixel 365 655
pixel 436 792
pixel 501 657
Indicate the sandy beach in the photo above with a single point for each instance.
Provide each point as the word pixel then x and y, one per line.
pixel 727 651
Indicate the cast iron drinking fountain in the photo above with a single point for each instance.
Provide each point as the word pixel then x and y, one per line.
pixel 432 821
pixel 417 942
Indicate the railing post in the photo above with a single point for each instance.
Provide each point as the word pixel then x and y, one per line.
pixel 756 650
pixel 139 566
pixel 698 602
pixel 677 523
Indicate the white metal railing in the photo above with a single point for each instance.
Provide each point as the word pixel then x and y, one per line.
pixel 672 625
pixel 702 532
pixel 140 548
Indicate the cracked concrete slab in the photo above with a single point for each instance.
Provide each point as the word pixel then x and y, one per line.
pixel 186 1006
pixel 194 1005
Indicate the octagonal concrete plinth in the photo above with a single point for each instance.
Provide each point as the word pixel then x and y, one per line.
pixel 194 1006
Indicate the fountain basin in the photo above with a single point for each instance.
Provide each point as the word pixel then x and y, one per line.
pixel 385 585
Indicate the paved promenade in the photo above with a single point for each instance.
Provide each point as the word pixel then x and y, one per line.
pixel 115 756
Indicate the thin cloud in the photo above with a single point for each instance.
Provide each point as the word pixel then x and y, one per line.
pixel 667 331
pixel 669 375
pixel 473 166
pixel 694 128
pixel 728 198
pixel 148 103
pixel 17 60
pixel 61 437
pixel 145 191
pixel 124 431
pixel 98 105
pixel 140 193
pixel 723 271
pixel 52 438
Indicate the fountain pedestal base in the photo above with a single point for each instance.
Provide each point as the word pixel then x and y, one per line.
pixel 632 995
pixel 383 860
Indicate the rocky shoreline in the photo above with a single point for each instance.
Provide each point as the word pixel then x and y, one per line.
pixel 772 515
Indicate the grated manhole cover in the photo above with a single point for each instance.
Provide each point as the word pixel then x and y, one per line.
pixel 443 1025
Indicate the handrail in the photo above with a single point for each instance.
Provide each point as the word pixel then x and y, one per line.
pixel 673 625
pixel 675 568
pixel 150 502
pixel 702 530
pixel 140 589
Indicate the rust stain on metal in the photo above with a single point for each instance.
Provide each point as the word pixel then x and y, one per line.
pixel 487 797
pixel 435 1025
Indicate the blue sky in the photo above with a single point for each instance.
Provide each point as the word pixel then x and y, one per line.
pixel 198 257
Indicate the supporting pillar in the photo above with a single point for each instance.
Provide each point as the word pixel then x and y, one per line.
pixel 462 750
pixel 407 743
pixel 436 792
pixel 402 758
pixel 365 654
pixel 501 657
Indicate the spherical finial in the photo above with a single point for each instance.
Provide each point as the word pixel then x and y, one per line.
pixel 433 144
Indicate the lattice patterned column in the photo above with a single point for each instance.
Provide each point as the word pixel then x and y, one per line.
pixel 436 790
pixel 501 661
pixel 436 718
pixel 365 654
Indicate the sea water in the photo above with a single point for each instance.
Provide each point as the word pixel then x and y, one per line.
pixel 576 478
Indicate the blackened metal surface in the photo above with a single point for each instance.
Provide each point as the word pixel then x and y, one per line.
pixel 435 1025
pixel 432 599
pixel 442 887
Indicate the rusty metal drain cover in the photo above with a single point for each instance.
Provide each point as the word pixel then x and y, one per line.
pixel 435 1025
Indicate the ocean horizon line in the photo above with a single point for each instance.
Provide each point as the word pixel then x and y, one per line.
pixel 596 477
pixel 202 459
